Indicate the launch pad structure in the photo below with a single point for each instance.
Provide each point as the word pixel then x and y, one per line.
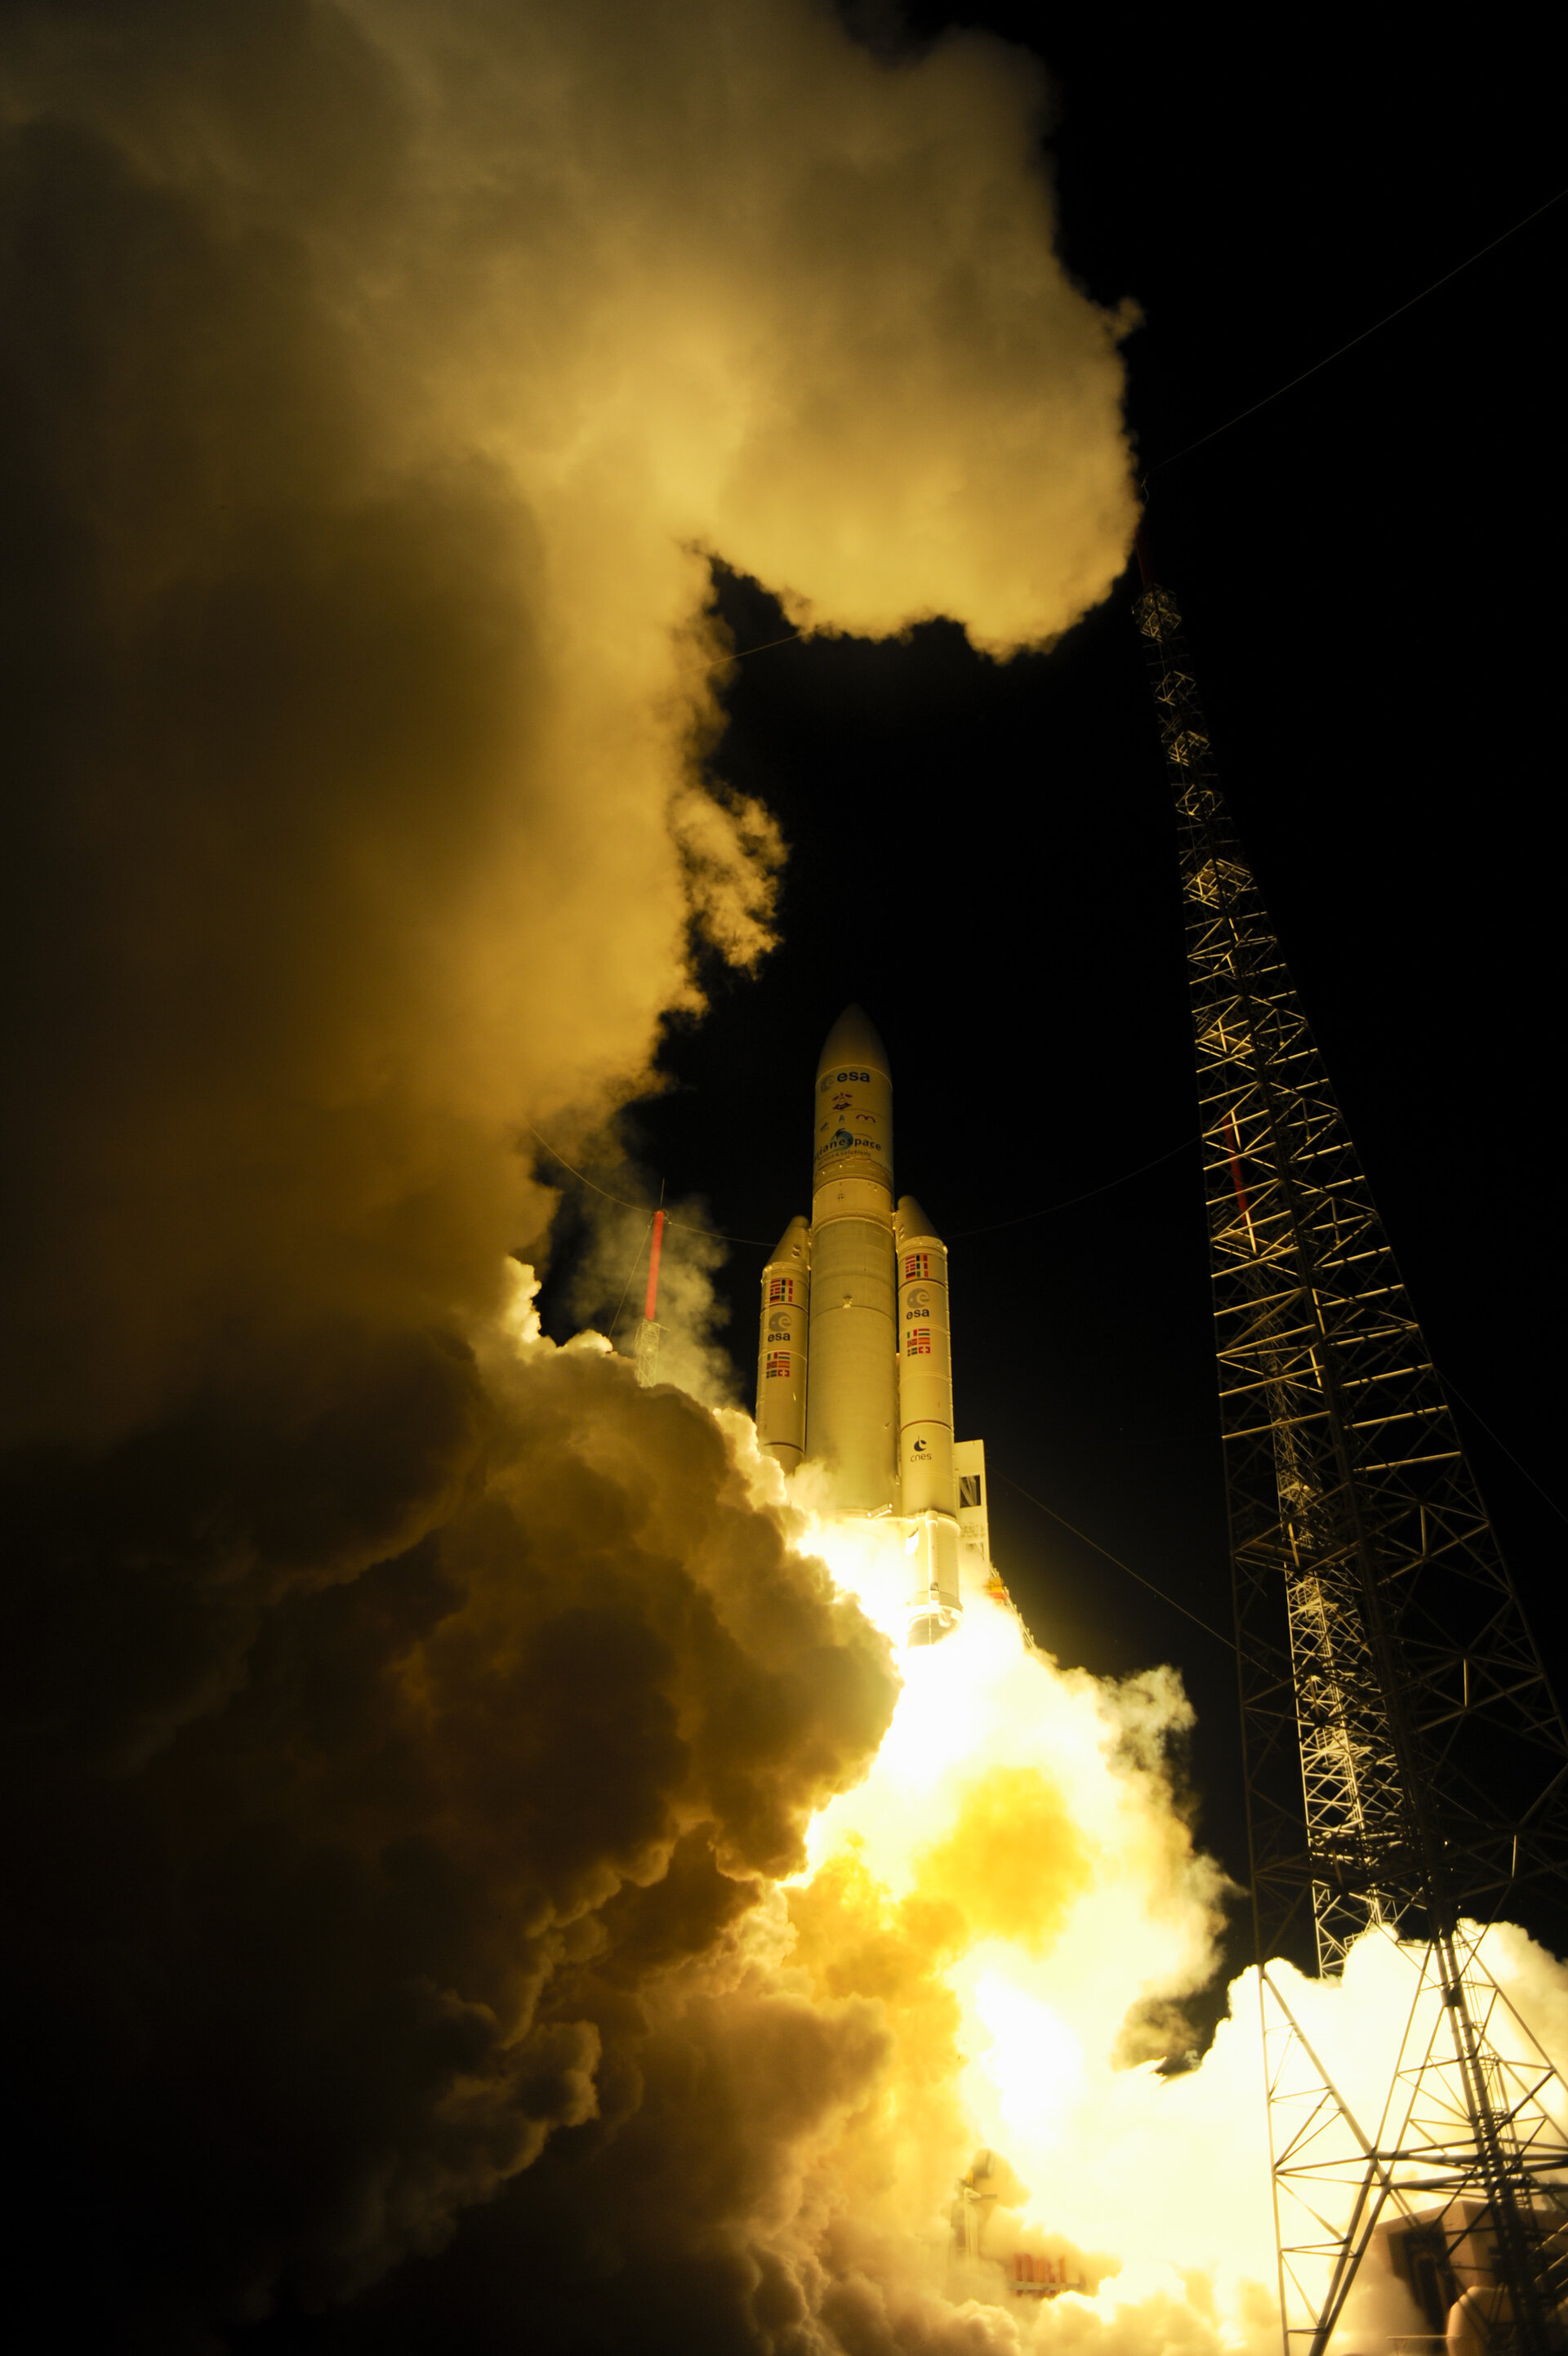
pixel 1406 1758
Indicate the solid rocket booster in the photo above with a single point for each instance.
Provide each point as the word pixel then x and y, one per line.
pixel 855 1371
pixel 852 1380
pixel 782 1359
pixel 926 1478
pixel 924 1371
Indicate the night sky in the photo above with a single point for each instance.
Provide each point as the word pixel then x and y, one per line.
pixel 985 856
pixel 409 1731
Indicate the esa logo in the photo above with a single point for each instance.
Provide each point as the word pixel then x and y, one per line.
pixel 837 1079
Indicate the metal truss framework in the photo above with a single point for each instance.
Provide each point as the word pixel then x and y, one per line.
pixel 1468 2156
pixel 1407 1763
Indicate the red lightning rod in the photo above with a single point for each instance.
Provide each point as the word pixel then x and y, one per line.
pixel 650 1306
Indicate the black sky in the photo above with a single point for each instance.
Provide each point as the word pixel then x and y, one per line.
pixel 985 856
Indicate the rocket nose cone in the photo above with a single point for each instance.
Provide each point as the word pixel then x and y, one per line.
pixel 853 1040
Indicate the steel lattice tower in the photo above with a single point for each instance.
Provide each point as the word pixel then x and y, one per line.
pixel 1406 1759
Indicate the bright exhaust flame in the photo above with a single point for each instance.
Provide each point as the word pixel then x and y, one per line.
pixel 1017 1852
pixel 1027 1807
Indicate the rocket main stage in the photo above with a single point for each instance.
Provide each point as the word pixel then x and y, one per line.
pixel 855 1372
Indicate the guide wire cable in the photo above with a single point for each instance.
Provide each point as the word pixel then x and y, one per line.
pixel 1378 325
pixel 1228 1643
pixel 961 1235
pixel 756 1243
pixel 631 1271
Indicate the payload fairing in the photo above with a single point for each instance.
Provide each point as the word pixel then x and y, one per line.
pixel 855 1371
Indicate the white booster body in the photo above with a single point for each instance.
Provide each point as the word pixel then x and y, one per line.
pixel 925 1366
pixel 852 1383
pixel 926 1483
pixel 782 1354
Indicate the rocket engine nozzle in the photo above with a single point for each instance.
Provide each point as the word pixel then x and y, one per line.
pixel 934 1606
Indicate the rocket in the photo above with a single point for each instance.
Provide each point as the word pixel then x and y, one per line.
pixel 854 1366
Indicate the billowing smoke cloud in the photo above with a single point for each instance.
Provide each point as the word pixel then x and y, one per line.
pixel 376 376
pixel 608 1290
pixel 313 1971
pixel 410 1721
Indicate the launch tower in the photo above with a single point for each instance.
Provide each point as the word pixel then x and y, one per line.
pixel 1406 1759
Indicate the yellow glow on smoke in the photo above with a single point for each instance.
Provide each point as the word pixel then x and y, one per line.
pixel 1019 1847
pixel 1019 1811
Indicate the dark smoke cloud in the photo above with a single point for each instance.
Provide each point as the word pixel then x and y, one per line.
pixel 405 1727
pixel 309 1972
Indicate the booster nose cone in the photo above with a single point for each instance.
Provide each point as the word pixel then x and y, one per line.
pixel 853 1040
pixel 794 1246
pixel 912 1225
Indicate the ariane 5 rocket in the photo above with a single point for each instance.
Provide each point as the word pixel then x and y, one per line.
pixel 855 1372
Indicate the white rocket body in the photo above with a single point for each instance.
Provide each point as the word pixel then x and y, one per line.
pixel 855 1372
pixel 852 1395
